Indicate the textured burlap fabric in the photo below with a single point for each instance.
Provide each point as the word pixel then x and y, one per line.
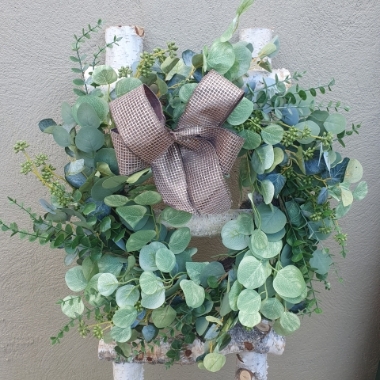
pixel 189 163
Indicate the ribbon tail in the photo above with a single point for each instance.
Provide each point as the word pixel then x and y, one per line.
pixel 208 191
pixel 170 180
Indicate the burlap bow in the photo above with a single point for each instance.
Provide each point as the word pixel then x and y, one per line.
pixel 188 163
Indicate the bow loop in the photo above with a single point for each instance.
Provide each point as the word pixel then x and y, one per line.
pixel 188 163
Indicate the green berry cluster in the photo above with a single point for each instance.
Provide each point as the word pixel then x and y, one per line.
pixel 325 230
pixel 83 329
pixel 146 63
pixel 316 216
pixel 20 146
pixel 308 154
pixel 125 72
pixel 26 167
pixel 340 238
pixel 40 160
pixel 327 139
pixel 139 307
pixel 47 173
pixel 97 332
pixel 59 192
pixel 289 136
pixel 252 124
pixel 305 133
pixel 172 49
pixel 288 172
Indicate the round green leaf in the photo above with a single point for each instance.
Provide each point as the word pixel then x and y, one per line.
pixel 220 57
pixel 132 214
pixel 289 282
pixel 335 123
pixel 98 104
pixel 360 191
pixel 164 316
pixel 233 295
pixel 271 308
pixel 148 198
pixel 121 335
pixel 251 272
pixel 87 116
pixel 249 301
pixel 72 306
pixel 75 279
pixel 115 200
pixel 320 262
pixel 354 171
pixel 314 128
pixel 138 239
pixel 245 222
pixel 150 283
pixel 232 237
pixel 194 294
pixel 104 74
pixel 107 284
pixel 179 240
pixel 272 134
pixel 61 136
pixel 111 264
pixel 165 260
pixel 272 218
pixel 149 332
pixel 194 270
pixel 108 156
pixel 241 112
pixel 213 269
pixel 259 240
pixel 252 140
pixel 262 158
pixel 272 250
pixel 249 319
pixel 213 362
pixel 125 85
pixel 186 91
pixel 147 256
pixel 153 301
pixel 296 300
pixel 175 218
pixel 124 317
pixel 89 139
pixel 127 295
pixel 289 322
pixel 267 191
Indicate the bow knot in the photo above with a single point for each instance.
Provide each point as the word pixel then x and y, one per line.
pixel 188 163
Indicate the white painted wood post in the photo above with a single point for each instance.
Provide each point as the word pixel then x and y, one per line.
pixel 252 347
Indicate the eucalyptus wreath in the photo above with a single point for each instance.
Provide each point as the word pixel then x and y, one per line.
pixel 133 275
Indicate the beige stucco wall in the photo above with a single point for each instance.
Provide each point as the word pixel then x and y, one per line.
pixel 328 38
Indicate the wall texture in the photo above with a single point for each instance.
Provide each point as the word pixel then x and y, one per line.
pixel 328 38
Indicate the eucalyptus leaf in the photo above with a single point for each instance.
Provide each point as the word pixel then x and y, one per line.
pixel 289 282
pixel 213 362
pixel 272 134
pixel 150 283
pixel 267 191
pixel 153 301
pixel 124 317
pixel 271 308
pixel 89 139
pixel 354 171
pixel 220 57
pixel 164 316
pixel 72 306
pixel 165 260
pixel 75 279
pixel 214 269
pixel 360 191
pixel 194 294
pixel 175 218
pixel 313 127
pixel 149 332
pixel 335 123
pixel 194 270
pixel 249 301
pixel 104 75
pixel 241 112
pixel 186 91
pixel 148 198
pixel 132 214
pixel 249 319
pixel 87 116
pixel 232 237
pixel 252 140
pixel 107 284
pixel 272 219
pixel 251 273
pixel 179 240
pixel 320 262
pixel 125 85
pixel 262 158
pixel 147 256
pixel 61 136
pixel 273 249
pixel 127 295
pixel 119 334
pixel 116 200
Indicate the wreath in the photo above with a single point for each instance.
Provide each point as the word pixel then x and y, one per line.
pixel 149 147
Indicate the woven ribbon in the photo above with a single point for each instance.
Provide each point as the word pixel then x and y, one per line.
pixel 188 163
